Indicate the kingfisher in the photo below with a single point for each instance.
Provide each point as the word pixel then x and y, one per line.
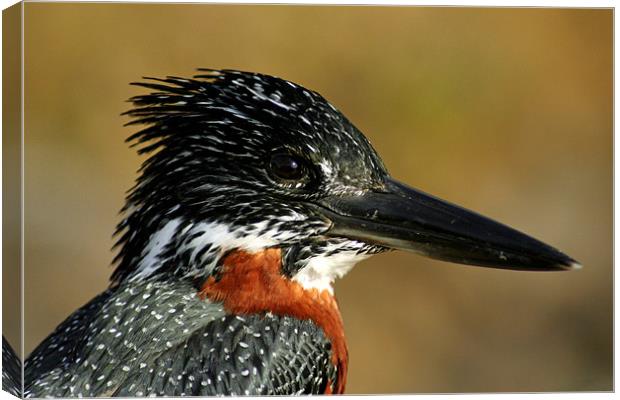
pixel 255 195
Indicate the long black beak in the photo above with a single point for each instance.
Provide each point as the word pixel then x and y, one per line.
pixel 403 218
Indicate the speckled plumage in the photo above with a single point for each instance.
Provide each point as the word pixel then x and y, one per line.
pixel 161 339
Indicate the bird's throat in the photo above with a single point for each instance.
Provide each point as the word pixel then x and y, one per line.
pixel 253 283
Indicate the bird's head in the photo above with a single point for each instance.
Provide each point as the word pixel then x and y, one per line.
pixel 244 161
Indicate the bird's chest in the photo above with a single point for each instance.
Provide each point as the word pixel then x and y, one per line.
pixel 267 355
pixel 252 285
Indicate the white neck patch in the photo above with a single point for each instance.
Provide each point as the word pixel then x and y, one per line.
pixel 321 271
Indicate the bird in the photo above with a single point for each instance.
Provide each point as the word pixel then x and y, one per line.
pixel 255 195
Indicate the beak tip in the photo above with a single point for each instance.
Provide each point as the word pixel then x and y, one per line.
pixel 568 264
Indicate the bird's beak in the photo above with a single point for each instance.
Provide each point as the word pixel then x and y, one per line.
pixel 401 217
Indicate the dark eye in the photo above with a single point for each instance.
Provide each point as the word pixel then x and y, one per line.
pixel 287 166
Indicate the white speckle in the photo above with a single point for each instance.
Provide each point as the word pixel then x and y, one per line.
pixel 260 95
pixel 126 368
pixel 100 347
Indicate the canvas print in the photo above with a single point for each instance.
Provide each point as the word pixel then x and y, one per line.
pixel 233 200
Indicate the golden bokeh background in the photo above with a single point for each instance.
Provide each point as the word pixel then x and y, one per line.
pixel 504 111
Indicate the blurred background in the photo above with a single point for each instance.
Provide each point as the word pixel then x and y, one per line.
pixel 504 111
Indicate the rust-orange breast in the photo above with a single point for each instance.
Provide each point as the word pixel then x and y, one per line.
pixel 252 283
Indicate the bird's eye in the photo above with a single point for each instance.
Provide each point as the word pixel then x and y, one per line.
pixel 287 166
